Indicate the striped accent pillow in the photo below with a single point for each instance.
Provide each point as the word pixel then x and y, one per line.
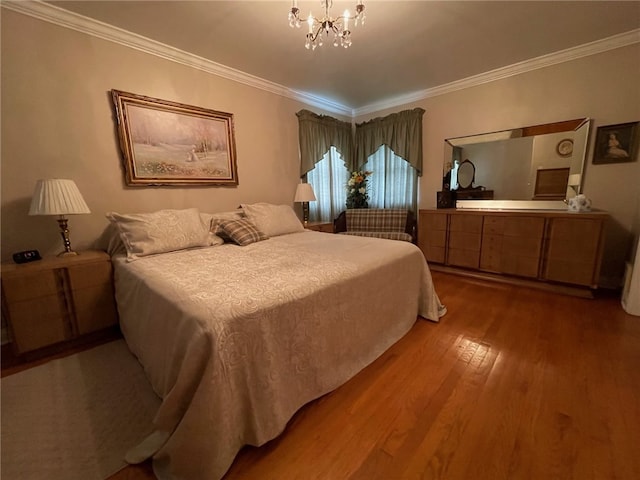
pixel 241 231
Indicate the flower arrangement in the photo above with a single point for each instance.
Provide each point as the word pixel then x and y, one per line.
pixel 357 196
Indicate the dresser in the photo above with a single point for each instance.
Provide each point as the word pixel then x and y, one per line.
pixel 58 299
pixel 554 247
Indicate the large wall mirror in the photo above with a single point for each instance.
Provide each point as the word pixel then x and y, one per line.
pixel 528 167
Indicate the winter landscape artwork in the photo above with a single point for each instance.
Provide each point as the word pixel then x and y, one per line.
pixel 169 143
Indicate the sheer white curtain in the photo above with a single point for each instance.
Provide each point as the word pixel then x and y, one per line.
pixel 394 182
pixel 329 181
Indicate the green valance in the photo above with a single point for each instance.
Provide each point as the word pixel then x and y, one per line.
pixel 401 132
pixel 317 134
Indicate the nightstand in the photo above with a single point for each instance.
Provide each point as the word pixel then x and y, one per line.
pixel 320 227
pixel 58 299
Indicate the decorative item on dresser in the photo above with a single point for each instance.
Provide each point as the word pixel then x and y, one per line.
pixel 61 197
pixel 557 250
pixel 474 194
pixel 58 299
pixel 446 199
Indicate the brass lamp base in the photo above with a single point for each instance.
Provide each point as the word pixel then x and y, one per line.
pixel 70 253
pixel 305 212
pixel 64 233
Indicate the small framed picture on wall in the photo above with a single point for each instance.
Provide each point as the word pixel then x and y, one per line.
pixel 616 143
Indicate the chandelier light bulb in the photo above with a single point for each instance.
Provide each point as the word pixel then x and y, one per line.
pixel 327 24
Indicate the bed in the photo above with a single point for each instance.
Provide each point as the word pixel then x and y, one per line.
pixel 235 338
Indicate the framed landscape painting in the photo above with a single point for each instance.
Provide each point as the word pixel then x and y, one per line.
pixel 169 143
pixel 616 143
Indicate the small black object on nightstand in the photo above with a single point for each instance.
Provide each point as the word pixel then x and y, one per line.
pixel 26 256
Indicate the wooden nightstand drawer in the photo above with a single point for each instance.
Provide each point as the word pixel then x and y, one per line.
pixel 29 286
pixel 84 276
pixel 38 322
pixel 57 299
pixel 95 309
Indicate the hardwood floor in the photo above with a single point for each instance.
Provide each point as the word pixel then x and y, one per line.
pixel 514 383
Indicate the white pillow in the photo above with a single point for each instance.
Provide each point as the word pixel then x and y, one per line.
pixel 273 220
pixel 159 232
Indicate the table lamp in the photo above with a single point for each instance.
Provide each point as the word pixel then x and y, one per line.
pixel 304 195
pixel 60 197
pixel 574 182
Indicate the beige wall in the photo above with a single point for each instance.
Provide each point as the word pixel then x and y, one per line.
pixel 604 87
pixel 57 121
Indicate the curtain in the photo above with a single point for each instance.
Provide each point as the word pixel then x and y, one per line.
pixel 394 182
pixel 329 181
pixel 317 134
pixel 402 132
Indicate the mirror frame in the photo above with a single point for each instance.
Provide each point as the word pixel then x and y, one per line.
pixel 574 185
pixel 473 175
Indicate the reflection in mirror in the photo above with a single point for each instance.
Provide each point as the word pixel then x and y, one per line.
pixel 523 166
pixel 466 175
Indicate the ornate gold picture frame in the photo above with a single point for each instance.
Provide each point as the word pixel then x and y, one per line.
pixel 172 144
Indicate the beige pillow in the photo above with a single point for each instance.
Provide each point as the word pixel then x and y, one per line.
pixel 159 232
pixel 273 220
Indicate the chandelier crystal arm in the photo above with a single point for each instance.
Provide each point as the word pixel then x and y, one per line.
pixel 338 25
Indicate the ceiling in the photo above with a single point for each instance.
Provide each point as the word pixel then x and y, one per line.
pixel 404 46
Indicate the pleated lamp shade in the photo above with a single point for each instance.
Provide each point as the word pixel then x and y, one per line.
pixel 57 196
pixel 304 193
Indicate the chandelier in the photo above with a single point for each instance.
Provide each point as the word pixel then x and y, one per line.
pixel 325 26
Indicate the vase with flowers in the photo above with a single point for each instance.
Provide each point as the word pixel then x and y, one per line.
pixel 357 194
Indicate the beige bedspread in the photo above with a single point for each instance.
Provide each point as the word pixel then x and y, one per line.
pixel 236 339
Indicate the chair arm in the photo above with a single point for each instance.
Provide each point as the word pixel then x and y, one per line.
pixel 340 223
pixel 411 226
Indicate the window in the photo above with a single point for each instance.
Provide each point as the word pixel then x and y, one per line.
pixel 391 147
pixel 329 181
pixel 394 182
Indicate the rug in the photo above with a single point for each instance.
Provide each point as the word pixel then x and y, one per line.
pixel 75 417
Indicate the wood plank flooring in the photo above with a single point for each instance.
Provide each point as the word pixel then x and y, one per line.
pixel 514 383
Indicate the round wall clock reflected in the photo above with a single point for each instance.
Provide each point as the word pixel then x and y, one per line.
pixel 565 147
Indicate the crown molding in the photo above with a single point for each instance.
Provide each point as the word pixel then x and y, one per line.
pixel 64 18
pixel 592 48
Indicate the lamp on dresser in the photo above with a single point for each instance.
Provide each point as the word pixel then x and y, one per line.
pixel 304 195
pixel 57 196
